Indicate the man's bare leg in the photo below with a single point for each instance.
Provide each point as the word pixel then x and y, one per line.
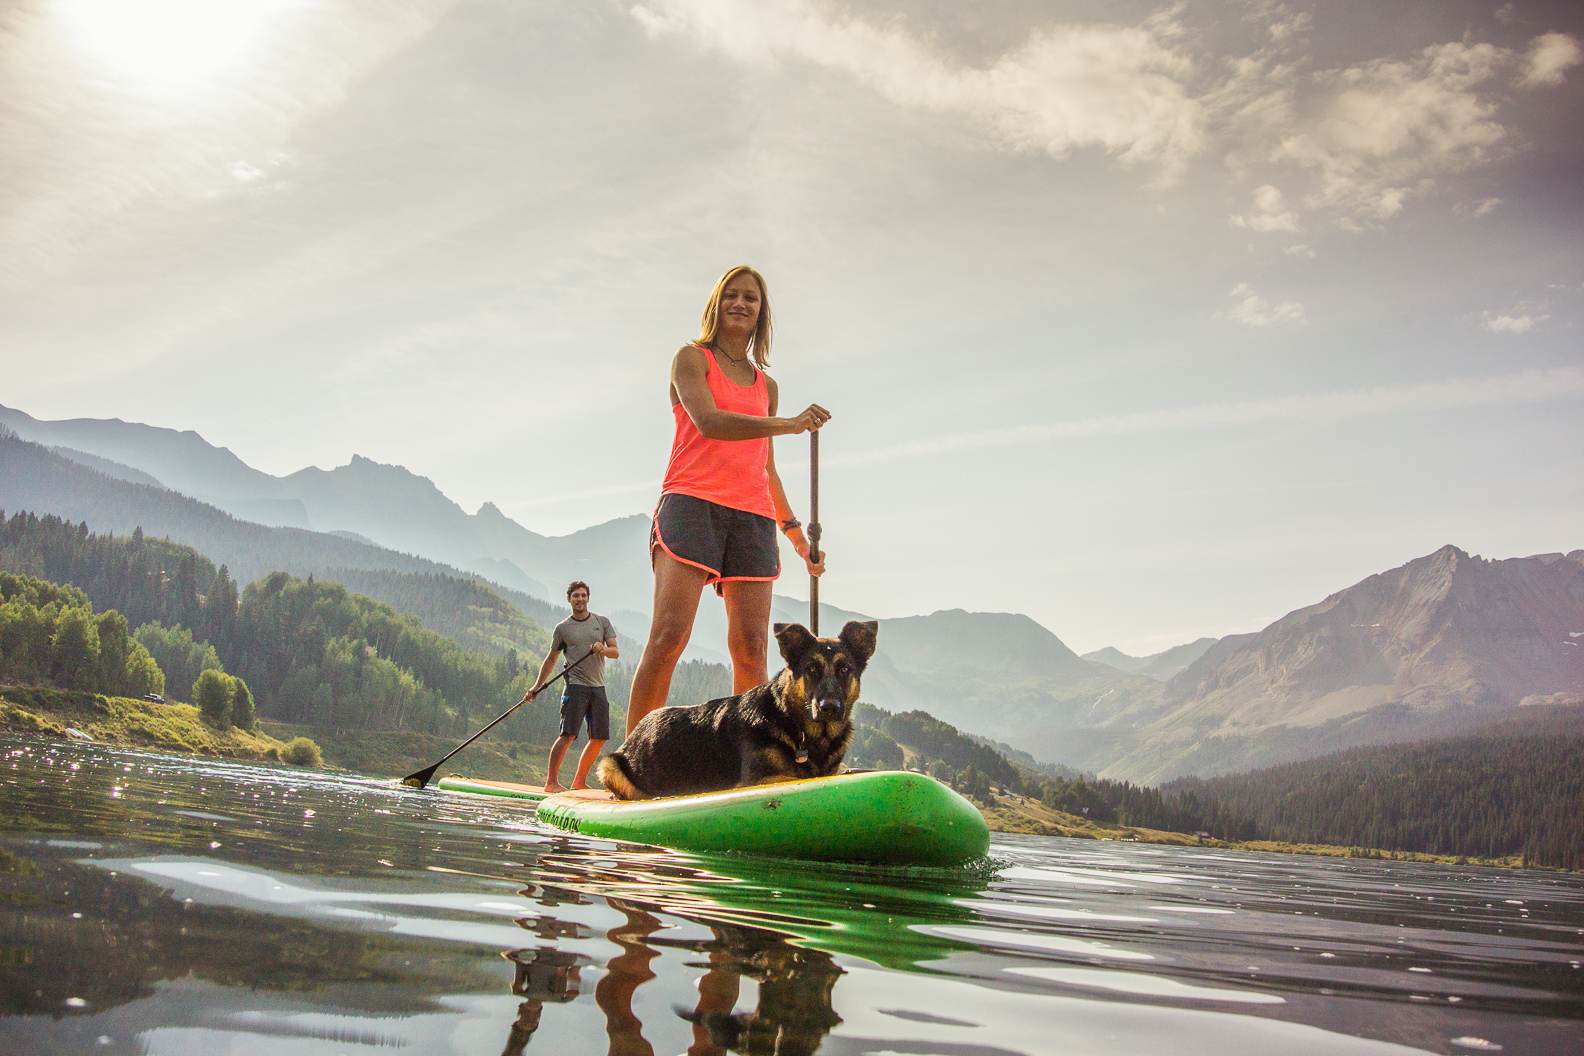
pixel 591 752
pixel 676 602
pixel 553 771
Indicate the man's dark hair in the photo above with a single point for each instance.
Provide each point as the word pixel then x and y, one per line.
pixel 575 584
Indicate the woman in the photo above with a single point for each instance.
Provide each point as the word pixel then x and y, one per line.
pixel 722 500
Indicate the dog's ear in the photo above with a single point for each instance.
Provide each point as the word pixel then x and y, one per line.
pixel 795 641
pixel 859 638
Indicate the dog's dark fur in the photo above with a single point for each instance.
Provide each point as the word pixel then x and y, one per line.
pixel 796 725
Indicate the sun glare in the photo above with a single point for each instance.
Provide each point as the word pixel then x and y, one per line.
pixel 169 45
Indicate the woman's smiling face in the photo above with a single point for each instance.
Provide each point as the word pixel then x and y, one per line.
pixel 739 305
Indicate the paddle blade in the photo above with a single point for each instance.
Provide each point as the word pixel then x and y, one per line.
pixel 421 778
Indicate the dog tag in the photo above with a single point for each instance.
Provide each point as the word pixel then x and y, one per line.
pixel 802 756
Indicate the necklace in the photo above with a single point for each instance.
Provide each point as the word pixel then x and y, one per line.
pixel 728 355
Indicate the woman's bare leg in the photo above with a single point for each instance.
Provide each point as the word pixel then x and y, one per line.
pixel 748 632
pixel 676 602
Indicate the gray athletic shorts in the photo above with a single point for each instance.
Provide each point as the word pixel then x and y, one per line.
pixel 578 702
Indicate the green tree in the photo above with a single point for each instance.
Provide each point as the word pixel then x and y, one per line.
pixel 143 675
pixel 181 604
pixel 114 650
pixel 241 705
pixel 220 610
pixel 26 654
pixel 178 655
pixel 212 694
pixel 76 648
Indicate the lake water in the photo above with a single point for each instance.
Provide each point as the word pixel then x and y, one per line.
pixel 158 905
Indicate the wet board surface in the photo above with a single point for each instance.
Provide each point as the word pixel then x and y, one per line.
pixel 891 816
pixel 456 783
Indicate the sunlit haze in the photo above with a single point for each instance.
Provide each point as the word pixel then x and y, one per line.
pixel 169 45
pixel 1151 321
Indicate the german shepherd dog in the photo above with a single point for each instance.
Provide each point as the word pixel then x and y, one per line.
pixel 796 725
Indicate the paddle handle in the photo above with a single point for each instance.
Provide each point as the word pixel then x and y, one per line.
pixel 814 530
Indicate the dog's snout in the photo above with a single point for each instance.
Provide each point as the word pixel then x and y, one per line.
pixel 829 706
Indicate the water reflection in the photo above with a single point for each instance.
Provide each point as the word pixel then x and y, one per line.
pixel 543 974
pixel 775 924
pixel 152 905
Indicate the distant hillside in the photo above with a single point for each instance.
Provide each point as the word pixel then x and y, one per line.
pixel 387 505
pixel 33 478
pixel 469 613
pixel 107 467
pixel 147 579
pixel 1443 644
pixel 1516 787
pixel 1441 647
pixel 1026 762
pixel 998 675
pixel 1162 665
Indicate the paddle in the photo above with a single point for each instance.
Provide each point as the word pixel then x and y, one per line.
pixel 814 530
pixel 421 778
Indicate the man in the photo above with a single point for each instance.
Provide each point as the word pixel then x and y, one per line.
pixel 588 640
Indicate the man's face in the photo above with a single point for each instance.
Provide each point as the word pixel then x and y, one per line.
pixel 579 599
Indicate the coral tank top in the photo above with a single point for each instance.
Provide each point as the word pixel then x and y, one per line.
pixel 726 472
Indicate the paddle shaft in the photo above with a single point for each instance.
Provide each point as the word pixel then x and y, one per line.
pixel 421 778
pixel 814 530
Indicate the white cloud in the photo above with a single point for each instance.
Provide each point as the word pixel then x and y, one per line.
pixel 1527 387
pixel 1302 250
pixel 1377 132
pixel 1119 88
pixel 1510 324
pixel 1482 207
pixel 1253 310
pixel 1279 21
pixel 1270 212
pixel 1550 56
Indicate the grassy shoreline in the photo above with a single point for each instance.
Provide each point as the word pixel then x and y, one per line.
pixel 1019 814
pixel 396 753
pixel 128 723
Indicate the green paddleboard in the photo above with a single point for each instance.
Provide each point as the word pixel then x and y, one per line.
pixel 508 789
pixel 890 816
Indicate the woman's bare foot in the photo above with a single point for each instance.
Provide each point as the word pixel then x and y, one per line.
pixel 554 787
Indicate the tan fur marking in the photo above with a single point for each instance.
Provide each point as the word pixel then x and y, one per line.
pixel 616 782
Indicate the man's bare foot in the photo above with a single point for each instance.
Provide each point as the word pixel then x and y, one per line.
pixel 576 785
pixel 554 786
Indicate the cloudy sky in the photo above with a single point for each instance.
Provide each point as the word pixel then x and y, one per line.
pixel 1150 321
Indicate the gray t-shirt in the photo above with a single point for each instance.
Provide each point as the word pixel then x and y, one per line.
pixel 574 637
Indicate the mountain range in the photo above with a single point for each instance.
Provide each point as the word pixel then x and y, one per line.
pixel 1160 666
pixel 387 506
pixel 1443 644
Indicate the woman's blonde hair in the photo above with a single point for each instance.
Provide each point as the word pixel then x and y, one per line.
pixel 759 342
